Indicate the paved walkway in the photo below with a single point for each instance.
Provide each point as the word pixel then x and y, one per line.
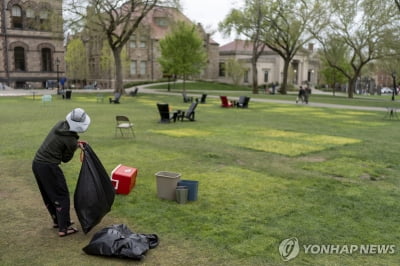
pixel 312 104
pixel 143 89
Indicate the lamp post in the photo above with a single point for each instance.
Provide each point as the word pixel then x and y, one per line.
pixel 394 85
pixel 58 77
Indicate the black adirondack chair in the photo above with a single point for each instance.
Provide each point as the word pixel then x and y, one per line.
pixel 243 102
pixel 203 98
pixel 134 92
pixel 165 115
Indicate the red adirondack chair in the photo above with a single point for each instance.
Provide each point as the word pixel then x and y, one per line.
pixel 225 102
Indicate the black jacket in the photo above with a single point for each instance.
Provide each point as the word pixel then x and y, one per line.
pixel 59 145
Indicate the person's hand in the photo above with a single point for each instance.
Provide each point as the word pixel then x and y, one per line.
pixel 81 144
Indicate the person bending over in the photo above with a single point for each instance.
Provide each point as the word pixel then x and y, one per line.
pixel 59 147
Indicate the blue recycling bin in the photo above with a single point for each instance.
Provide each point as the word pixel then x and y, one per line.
pixel 192 186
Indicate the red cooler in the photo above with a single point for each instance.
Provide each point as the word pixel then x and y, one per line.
pixel 123 178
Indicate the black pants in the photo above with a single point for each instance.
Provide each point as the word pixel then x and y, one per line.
pixel 54 190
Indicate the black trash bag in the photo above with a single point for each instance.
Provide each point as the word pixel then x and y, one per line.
pixel 94 192
pixel 119 241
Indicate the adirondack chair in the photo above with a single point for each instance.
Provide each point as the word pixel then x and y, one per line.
pixel 189 113
pixel 134 92
pixel 186 99
pixel 225 102
pixel 203 98
pixel 117 96
pixel 165 115
pixel 243 102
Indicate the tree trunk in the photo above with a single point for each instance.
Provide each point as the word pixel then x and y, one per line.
pixel 119 86
pixel 352 86
pixel 283 89
pixel 255 71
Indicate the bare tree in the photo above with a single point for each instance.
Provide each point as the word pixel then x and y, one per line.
pixel 116 20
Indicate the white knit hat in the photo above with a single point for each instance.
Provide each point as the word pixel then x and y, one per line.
pixel 78 120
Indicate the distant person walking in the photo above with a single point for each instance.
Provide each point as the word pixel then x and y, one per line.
pixel 307 93
pixel 301 95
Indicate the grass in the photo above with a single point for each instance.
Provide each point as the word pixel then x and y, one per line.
pixel 267 173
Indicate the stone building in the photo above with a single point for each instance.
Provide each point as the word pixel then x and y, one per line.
pixel 31 43
pixel 143 49
pixel 304 67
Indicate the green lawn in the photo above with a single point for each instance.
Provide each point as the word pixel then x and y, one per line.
pixel 267 173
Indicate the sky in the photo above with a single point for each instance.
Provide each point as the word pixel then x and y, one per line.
pixel 209 13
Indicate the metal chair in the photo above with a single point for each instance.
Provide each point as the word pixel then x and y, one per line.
pixel 124 124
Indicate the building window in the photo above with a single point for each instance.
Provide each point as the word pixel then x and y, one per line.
pixel 133 68
pixel 266 76
pixel 44 20
pixel 222 69
pixel 16 16
pixel 310 75
pixel 20 84
pixel 92 65
pixel 19 58
pixel 46 60
pixel 30 13
pixel 162 22
pixel 246 76
pixel 143 67
pixel 30 18
pixel 132 41
pixel 143 42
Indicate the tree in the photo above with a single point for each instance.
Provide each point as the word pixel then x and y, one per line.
pixel 117 20
pixel 367 28
pixel 235 70
pixel 288 24
pixel 107 66
pixel 248 22
pixel 182 51
pixel 76 60
pixel 336 52
pixel 282 25
pixel 397 2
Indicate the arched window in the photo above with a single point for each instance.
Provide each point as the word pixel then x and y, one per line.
pixel 19 58
pixel 30 21
pixel 16 16
pixel 46 60
pixel 44 20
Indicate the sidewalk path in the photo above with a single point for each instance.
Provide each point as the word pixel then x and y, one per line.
pixel 143 89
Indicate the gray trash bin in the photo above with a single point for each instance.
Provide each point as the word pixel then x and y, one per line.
pixel 166 184
pixel 181 194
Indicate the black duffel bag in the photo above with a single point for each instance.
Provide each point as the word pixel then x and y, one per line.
pixel 119 241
